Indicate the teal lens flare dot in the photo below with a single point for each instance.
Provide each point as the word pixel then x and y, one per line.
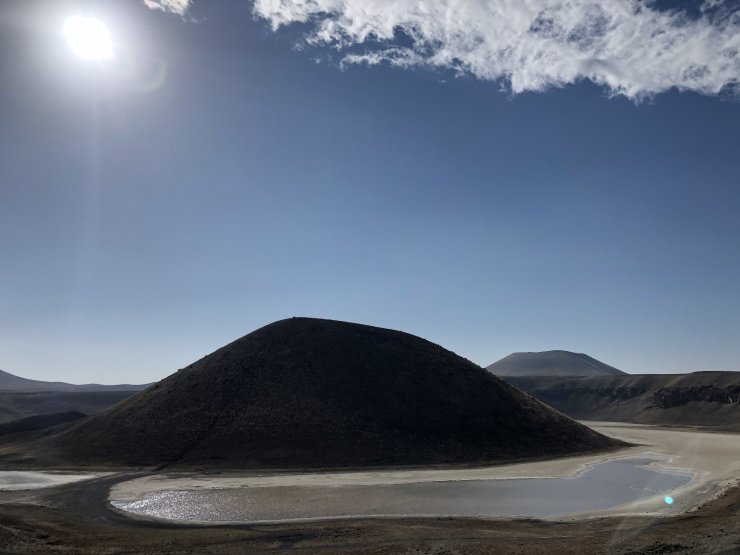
pixel 669 500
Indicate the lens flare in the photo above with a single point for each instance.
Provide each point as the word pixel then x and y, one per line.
pixel 668 500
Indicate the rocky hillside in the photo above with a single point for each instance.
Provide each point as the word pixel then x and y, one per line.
pixel 22 404
pixel 697 399
pixel 319 393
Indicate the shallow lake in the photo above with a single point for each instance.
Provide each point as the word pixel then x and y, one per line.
pixel 600 486
pixel 16 480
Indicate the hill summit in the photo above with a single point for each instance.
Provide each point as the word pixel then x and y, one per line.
pixel 552 363
pixel 305 392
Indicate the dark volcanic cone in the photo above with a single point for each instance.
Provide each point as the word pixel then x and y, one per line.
pixel 308 393
pixel 552 363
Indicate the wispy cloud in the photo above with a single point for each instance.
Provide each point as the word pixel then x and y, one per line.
pixel 629 47
pixel 174 6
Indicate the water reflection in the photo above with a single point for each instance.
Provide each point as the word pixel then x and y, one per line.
pixel 601 486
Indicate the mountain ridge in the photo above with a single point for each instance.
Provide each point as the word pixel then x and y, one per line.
pixel 551 363
pixel 13 382
pixel 704 398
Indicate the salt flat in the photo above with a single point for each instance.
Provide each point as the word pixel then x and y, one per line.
pixel 713 458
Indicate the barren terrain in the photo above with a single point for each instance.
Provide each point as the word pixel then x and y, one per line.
pixel 77 518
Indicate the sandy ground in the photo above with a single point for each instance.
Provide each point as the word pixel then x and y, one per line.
pixel 713 458
pixel 13 480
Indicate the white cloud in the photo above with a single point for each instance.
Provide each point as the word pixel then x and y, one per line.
pixel 626 46
pixel 174 6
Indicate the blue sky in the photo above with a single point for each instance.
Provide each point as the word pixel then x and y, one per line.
pixel 220 175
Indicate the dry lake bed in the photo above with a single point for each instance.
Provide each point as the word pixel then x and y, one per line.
pixel 669 472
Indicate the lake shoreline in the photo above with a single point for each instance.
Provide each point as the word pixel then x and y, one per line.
pixel 78 519
pixel 662 445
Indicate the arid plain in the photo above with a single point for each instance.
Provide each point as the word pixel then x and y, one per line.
pixel 77 518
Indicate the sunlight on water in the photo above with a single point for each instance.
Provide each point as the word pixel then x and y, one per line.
pixel 601 486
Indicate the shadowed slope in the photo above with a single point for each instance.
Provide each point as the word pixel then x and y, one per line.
pixel 307 392
pixel 696 399
pixel 39 422
pixel 551 363
pixel 22 404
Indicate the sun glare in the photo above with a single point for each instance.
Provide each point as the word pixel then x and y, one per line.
pixel 89 38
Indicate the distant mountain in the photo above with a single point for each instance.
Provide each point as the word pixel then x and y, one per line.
pixel 22 404
pixel 710 399
pixel 551 363
pixel 319 393
pixel 11 382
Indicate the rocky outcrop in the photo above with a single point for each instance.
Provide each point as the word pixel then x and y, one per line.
pixel 697 399
pixel 667 397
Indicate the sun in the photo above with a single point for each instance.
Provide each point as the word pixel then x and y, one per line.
pixel 88 37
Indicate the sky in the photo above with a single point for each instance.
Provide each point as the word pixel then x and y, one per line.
pixel 493 177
